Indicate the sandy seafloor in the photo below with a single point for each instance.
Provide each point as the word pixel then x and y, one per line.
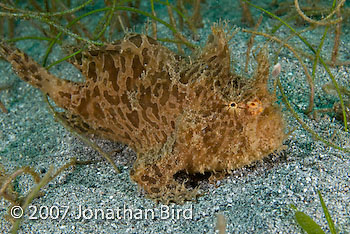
pixel 254 199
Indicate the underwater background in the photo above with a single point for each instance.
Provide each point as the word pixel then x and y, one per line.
pixel 255 199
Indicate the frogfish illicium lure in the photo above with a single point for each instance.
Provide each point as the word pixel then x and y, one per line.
pixel 180 115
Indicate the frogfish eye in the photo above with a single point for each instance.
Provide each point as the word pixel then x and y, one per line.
pixel 232 107
pixel 233 104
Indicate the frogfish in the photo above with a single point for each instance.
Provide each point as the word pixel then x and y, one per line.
pixel 189 115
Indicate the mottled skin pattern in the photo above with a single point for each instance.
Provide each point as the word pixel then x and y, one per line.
pixel 179 114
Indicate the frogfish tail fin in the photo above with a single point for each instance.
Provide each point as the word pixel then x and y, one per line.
pixel 36 75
